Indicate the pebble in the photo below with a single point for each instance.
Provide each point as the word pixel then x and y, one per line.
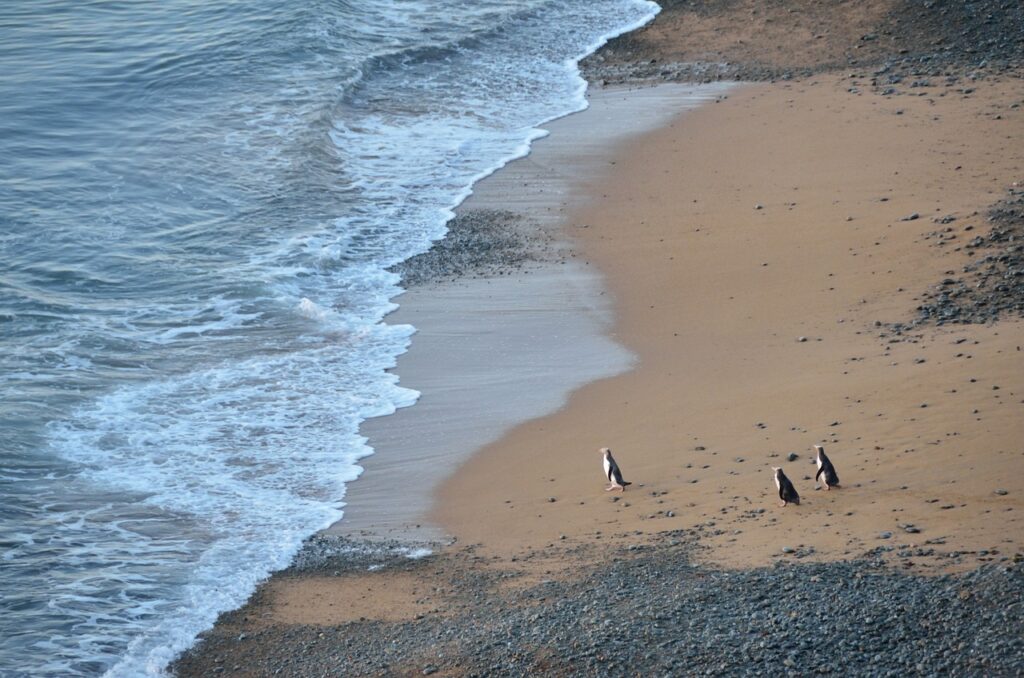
pixel 650 610
pixel 991 286
pixel 479 242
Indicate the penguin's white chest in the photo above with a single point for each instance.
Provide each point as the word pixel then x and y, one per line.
pixel 778 483
pixel 607 468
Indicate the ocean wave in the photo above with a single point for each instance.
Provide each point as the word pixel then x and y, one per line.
pixel 193 346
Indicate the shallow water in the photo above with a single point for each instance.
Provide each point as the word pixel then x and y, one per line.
pixel 198 206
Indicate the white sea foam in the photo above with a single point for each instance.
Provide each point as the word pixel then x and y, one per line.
pixel 250 488
pixel 201 369
pixel 418 553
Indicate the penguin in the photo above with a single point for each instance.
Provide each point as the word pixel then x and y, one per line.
pixel 825 468
pixel 787 493
pixel 612 472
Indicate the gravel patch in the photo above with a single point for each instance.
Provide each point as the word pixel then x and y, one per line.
pixel 990 285
pixel 480 243
pixel 915 41
pixel 637 609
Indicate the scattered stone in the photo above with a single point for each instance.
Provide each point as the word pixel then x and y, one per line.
pixel 992 284
pixel 792 456
pixel 1001 492
pixel 479 242
pixel 650 609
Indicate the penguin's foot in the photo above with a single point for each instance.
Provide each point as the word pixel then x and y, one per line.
pixel 783 503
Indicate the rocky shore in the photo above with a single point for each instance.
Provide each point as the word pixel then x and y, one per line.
pixel 639 608
pixel 903 42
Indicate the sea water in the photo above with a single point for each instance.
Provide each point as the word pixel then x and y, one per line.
pixel 199 204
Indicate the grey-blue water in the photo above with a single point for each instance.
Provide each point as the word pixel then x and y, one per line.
pixel 198 204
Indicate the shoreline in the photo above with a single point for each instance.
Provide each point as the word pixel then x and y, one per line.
pixel 541 571
pixel 770 260
pixel 524 326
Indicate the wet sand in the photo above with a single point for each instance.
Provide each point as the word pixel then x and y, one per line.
pixel 494 350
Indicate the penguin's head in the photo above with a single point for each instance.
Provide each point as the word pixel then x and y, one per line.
pixel 818 449
pixel 605 451
pixel 777 470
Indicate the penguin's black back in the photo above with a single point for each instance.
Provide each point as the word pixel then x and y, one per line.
pixel 827 470
pixel 787 492
pixel 831 477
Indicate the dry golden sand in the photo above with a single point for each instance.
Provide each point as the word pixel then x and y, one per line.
pixel 726 237
pixel 328 600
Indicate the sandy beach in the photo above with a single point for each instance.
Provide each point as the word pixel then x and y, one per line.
pixel 522 321
pixel 829 256
pixel 751 247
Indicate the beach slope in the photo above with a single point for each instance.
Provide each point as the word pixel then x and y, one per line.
pixel 830 255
